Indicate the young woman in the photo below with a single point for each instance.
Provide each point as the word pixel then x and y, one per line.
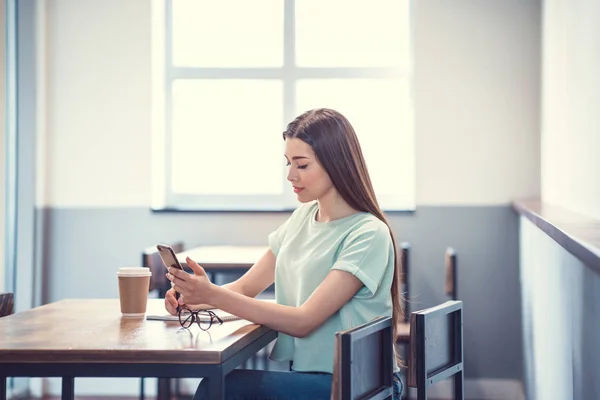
pixel 333 262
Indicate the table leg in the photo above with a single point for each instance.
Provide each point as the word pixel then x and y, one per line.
pixel 177 389
pixel 68 388
pixel 164 389
pixel 142 389
pixel 3 387
pixel 216 386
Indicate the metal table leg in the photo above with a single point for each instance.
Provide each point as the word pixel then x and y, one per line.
pixel 142 388
pixel 3 387
pixel 164 389
pixel 68 388
pixel 216 386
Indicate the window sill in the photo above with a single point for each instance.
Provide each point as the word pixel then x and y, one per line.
pixel 175 210
pixel 578 234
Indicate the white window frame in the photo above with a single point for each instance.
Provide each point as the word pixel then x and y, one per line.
pixel 164 73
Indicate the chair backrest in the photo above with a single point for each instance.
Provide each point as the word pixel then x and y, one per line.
pixel 151 259
pixel 7 304
pixel 450 283
pixel 436 348
pixel 363 361
pixel 404 260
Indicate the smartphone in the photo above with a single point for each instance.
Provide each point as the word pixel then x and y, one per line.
pixel 169 259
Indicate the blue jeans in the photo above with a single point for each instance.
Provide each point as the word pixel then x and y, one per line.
pixel 243 384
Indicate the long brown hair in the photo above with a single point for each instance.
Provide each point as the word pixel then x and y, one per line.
pixel 336 146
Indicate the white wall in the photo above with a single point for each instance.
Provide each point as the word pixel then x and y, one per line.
pixel 477 101
pixel 98 103
pixel 476 91
pixel 571 105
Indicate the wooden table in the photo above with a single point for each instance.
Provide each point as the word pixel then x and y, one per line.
pixel 224 258
pixel 89 338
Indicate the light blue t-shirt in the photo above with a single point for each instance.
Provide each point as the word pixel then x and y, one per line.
pixel 306 251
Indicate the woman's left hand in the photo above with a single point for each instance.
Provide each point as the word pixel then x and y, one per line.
pixel 194 289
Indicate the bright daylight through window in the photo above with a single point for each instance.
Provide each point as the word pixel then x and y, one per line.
pixel 229 75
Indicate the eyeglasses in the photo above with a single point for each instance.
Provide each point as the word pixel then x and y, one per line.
pixel 204 318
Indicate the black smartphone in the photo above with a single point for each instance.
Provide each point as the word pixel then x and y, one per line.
pixel 169 259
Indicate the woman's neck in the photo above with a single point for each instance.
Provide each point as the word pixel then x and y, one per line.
pixel 332 207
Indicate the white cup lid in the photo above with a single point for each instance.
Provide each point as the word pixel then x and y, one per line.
pixel 134 271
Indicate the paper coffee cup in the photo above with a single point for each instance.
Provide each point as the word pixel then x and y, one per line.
pixel 134 283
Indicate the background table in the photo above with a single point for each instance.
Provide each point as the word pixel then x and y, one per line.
pixel 224 258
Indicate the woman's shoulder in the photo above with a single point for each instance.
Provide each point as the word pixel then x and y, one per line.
pixel 367 228
pixel 368 222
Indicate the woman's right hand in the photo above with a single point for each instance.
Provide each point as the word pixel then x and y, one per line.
pixel 171 302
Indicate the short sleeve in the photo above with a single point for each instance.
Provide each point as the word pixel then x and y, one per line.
pixel 276 237
pixel 366 254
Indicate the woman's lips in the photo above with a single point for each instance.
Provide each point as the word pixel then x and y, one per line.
pixel 298 190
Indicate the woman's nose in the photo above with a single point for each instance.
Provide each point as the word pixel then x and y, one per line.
pixel 290 176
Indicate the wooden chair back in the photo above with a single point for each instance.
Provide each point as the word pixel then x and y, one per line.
pixel 405 262
pixel 151 259
pixel 436 348
pixel 450 283
pixel 7 304
pixel 363 361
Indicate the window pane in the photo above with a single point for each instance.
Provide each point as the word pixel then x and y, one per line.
pixel 227 33
pixel 227 137
pixel 380 112
pixel 352 33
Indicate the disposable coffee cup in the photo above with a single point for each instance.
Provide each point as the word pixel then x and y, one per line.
pixel 134 283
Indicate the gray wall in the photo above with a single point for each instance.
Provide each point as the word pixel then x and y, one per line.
pixel 84 247
pixel 561 320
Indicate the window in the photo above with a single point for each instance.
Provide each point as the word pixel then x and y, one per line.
pixel 229 75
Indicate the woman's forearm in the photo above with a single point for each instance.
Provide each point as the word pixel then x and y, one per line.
pixel 285 319
pixel 233 287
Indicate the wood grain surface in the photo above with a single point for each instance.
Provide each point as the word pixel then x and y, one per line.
pixel 92 330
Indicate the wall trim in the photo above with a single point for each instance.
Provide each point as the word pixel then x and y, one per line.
pixel 478 389
pixel 475 389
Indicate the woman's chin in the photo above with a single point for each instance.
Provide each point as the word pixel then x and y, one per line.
pixel 303 198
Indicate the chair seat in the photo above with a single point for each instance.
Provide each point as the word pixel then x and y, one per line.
pixel 403 332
